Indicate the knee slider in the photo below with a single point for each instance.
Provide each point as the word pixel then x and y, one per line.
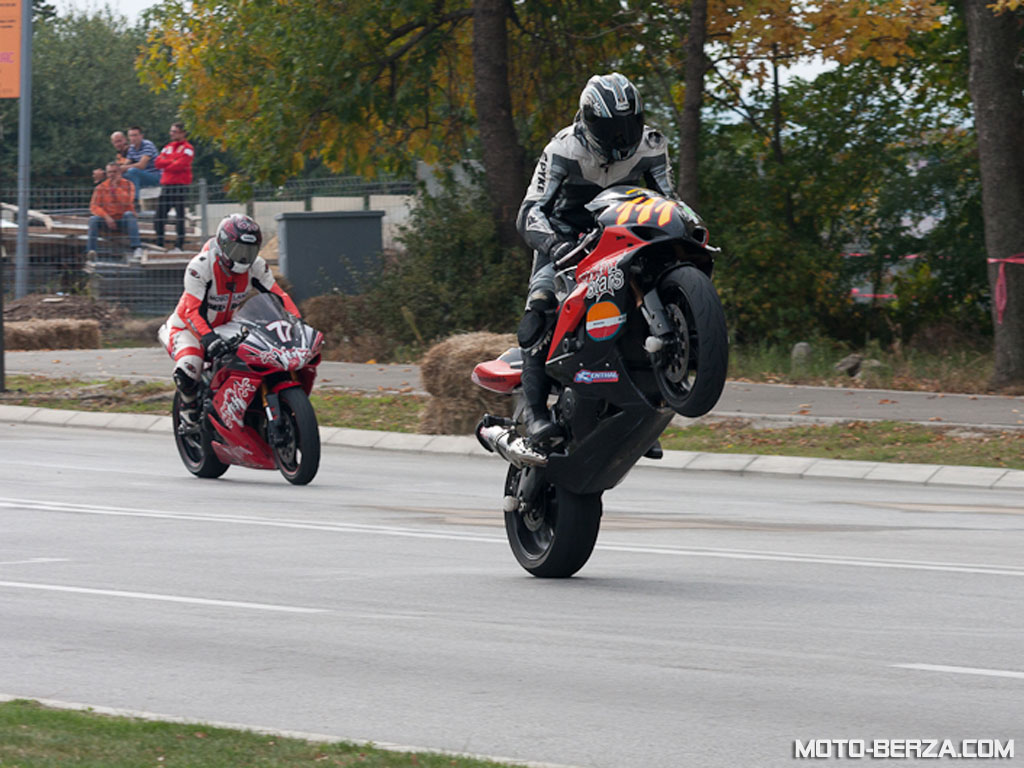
pixel 185 383
pixel 531 328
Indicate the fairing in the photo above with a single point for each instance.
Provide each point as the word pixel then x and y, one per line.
pixel 278 351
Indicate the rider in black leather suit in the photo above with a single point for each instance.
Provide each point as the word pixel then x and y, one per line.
pixel 607 144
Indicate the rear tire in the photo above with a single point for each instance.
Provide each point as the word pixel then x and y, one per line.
pixel 691 369
pixel 555 538
pixel 299 458
pixel 195 450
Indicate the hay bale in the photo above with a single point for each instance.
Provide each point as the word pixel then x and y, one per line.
pixel 137 332
pixel 456 403
pixel 52 334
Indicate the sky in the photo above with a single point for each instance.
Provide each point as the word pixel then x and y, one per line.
pixel 129 8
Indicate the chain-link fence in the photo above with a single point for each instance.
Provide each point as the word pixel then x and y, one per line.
pixel 71 251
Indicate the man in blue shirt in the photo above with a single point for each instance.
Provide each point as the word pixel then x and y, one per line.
pixel 140 169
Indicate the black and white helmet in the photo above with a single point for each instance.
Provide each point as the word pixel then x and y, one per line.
pixel 237 243
pixel 612 116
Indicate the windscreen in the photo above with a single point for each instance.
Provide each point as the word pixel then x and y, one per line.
pixel 262 308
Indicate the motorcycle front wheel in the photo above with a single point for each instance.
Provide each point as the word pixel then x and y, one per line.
pixel 691 368
pixel 298 455
pixel 555 536
pixel 194 448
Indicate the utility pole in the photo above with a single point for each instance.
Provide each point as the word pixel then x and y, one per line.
pixel 16 82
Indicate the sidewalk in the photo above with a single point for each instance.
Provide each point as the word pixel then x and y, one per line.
pixel 461 445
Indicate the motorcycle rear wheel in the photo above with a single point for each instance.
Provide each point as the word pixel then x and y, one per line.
pixel 298 458
pixel 556 537
pixel 195 450
pixel 691 369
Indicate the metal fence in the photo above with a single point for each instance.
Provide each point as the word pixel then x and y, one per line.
pixel 149 282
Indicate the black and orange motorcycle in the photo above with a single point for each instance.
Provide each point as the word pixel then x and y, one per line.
pixel 640 336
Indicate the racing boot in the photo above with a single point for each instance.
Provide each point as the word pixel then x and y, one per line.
pixel 533 337
pixel 539 427
pixel 655 451
pixel 188 391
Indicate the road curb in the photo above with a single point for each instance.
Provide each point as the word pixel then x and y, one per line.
pixel 467 445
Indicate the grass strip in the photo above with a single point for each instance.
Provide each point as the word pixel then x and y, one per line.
pixel 334 408
pixel 34 736
pixel 889 441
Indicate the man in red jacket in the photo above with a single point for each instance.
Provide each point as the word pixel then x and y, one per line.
pixel 175 160
pixel 216 281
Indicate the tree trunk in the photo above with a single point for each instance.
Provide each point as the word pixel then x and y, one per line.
pixel 503 160
pixel 996 88
pixel 689 129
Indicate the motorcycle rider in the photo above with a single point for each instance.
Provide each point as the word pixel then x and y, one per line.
pixel 608 143
pixel 216 281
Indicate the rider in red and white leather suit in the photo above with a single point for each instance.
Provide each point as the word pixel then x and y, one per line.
pixel 216 281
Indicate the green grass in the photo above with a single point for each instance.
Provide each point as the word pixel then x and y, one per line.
pixel 389 413
pixel 857 440
pixel 33 736
pixel 957 368
pixel 334 408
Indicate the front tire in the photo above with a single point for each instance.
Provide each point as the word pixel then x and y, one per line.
pixel 298 457
pixel 195 450
pixel 556 535
pixel 691 369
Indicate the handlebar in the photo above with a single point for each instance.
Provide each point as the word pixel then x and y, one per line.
pixel 577 253
pixel 234 342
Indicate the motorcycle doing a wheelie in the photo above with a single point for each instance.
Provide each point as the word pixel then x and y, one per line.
pixel 640 336
pixel 255 409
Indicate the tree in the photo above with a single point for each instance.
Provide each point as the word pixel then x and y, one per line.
pixel 83 88
pixel 381 86
pixel 503 154
pixel 997 91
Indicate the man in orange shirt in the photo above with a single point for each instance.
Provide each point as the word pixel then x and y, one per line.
pixel 113 208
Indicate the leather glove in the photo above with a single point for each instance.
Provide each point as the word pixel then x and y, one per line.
pixel 214 345
pixel 560 248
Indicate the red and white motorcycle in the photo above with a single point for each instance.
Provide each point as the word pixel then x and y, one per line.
pixel 255 398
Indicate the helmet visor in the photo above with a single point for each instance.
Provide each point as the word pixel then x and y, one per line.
pixel 241 253
pixel 620 134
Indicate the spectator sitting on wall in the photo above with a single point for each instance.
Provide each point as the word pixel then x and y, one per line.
pixel 120 143
pixel 113 210
pixel 176 162
pixel 141 154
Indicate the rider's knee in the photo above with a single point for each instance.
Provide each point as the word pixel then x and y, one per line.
pixel 537 318
pixel 186 380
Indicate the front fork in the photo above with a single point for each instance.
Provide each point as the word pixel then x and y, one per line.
pixel 277 428
pixel 657 321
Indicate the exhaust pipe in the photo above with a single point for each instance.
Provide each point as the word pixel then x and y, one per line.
pixel 509 445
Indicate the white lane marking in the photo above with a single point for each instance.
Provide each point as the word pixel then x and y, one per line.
pixel 962 670
pixel 303 735
pixel 156 596
pixel 799 557
pixel 311 525
pixel 385 530
pixel 32 560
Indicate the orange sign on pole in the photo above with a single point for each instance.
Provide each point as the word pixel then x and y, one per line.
pixel 10 48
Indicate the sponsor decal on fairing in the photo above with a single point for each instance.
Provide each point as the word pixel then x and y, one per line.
pixel 235 400
pixel 595 377
pixel 604 278
pixel 604 320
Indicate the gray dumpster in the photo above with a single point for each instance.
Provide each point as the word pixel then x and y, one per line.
pixel 328 251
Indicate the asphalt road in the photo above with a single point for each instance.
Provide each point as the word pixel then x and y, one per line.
pixel 721 617
pixel 759 401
